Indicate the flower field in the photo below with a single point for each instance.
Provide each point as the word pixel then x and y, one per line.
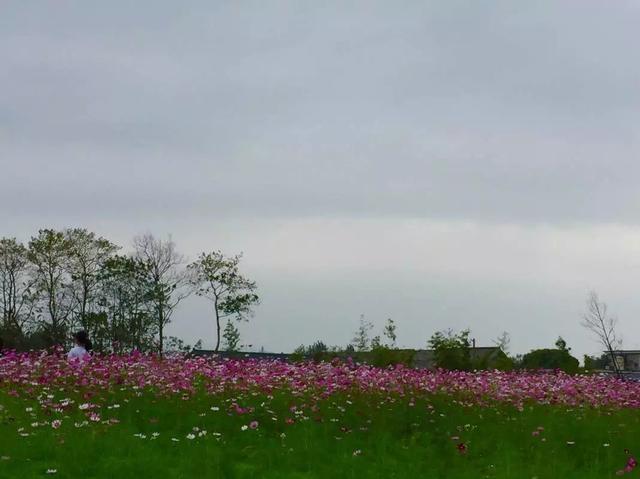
pixel 141 416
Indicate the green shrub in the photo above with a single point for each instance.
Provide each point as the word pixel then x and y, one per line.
pixel 451 350
pixel 382 357
pixel 593 362
pixel 551 359
pixel 502 362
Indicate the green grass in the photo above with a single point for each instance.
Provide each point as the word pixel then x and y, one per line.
pixel 395 439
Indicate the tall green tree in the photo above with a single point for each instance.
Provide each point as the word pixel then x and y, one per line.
pixel 49 254
pixel 217 278
pixel 126 301
pixel 231 336
pixel 87 255
pixel 17 300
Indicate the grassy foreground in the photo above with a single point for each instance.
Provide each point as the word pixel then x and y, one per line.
pixel 279 435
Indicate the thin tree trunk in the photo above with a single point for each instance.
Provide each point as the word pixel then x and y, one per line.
pixel 217 326
pixel 613 359
pixel 161 326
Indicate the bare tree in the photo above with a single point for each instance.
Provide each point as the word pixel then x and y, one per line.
pixel 503 342
pixel 167 276
pixel 361 340
pixel 603 327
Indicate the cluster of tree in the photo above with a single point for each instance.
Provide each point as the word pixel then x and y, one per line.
pixel 453 350
pixel 597 363
pixel 377 351
pixel 74 279
pixel 362 341
pixel 449 349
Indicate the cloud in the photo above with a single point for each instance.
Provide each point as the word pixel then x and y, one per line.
pixel 499 112
pixel 475 140
pixel 317 276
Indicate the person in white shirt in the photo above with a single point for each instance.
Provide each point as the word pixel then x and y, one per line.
pixel 82 347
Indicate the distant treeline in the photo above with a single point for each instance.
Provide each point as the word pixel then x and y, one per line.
pixel 449 350
pixel 70 279
pixel 65 280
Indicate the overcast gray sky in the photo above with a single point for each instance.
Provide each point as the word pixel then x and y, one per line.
pixel 444 163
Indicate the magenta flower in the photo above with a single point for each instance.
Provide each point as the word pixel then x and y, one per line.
pixel 629 466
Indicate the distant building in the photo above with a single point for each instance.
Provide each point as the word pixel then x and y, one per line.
pixel 627 360
pixel 239 354
pixel 422 358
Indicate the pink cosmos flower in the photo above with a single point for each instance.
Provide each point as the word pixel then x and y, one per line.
pixel 253 424
pixel 181 377
pixel 629 466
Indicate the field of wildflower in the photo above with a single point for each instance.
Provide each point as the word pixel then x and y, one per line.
pixel 142 416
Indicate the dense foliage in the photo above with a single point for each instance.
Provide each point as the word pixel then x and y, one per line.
pixel 74 279
pixel 453 350
pixel 559 358
pixel 550 359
